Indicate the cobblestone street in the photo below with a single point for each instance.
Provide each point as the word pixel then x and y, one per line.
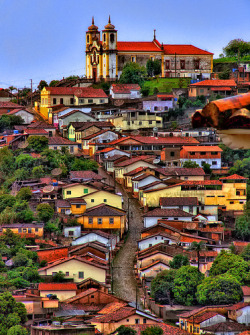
pixel 124 282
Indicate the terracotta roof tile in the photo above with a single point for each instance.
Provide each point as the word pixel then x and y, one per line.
pixel 184 49
pixel 104 210
pixel 112 307
pixel 9 104
pixel 160 212
pixel 181 171
pixel 179 201
pixel 58 140
pixel 215 82
pixel 124 88
pixel 81 92
pixel 137 46
pixel 238 306
pixel 40 125
pixel 167 329
pixel 36 132
pixel 116 316
pixel 199 148
pixel 91 136
pixel 234 177
pixel 246 290
pixel 226 327
pixel 85 175
pixel 158 140
pixel 132 160
pixel 57 287
pixel 204 316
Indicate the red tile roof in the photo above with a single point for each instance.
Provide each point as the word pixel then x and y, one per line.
pixel 138 46
pixel 157 140
pixel 52 254
pixel 87 175
pixel 199 148
pixel 91 136
pixel 184 49
pixel 205 316
pixel 71 113
pixel 238 306
pixel 112 307
pixel 167 329
pixel 40 125
pixel 234 177
pixel 246 290
pixel 161 212
pixel 81 92
pixel 125 88
pixel 58 140
pixel 133 160
pixel 225 327
pixel 181 171
pixel 215 82
pixel 135 171
pixel 104 210
pixel 179 201
pixel 36 131
pixel 8 104
pixel 116 316
pixel 57 287
pixel 153 264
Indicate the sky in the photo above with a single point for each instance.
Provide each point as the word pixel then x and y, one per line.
pixel 45 40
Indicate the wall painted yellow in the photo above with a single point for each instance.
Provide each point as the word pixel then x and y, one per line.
pixel 77 191
pixel 61 295
pixel 119 222
pixel 101 197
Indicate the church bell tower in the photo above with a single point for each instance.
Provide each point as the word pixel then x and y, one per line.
pixel 93 52
pixel 109 47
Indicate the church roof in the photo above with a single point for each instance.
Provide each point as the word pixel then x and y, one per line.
pixel 138 46
pixel 184 49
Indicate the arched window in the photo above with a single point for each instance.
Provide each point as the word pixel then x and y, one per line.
pixel 87 38
pixel 104 37
pixel 112 38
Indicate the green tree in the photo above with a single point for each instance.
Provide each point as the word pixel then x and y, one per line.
pixel 45 212
pixel 179 261
pixel 59 277
pixel 53 83
pixel 153 67
pixel 181 82
pixel 145 91
pixel 24 194
pixel 197 247
pixel 234 265
pixel 31 274
pixel 241 167
pixel 9 121
pixel 162 286
pixel 17 330
pixel 245 254
pixel 237 47
pixel 25 161
pixel 133 73
pixel 42 84
pixel 207 168
pixel 242 227
pixel 152 330
pixel 38 143
pixel 185 285
pixel 225 74
pixel 38 171
pixel 219 290
pixel 87 164
pixel 7 162
pixel 190 164
pixel 123 330
pixel 6 200
pixel 20 260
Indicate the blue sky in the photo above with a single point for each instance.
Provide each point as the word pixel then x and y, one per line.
pixel 46 39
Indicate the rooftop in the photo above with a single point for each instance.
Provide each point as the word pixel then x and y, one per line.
pixel 58 140
pixel 57 287
pixel 179 201
pixel 160 212
pixel 80 92
pixel 215 82
pixel 104 210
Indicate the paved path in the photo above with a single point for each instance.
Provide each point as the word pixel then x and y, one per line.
pixel 124 282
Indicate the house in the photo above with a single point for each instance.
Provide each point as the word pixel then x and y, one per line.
pixel 176 214
pixel 8 106
pixel 73 232
pixel 70 96
pixel 5 95
pixel 93 142
pixel 203 134
pixel 74 115
pixel 104 217
pixel 25 114
pixel 92 249
pixel 108 323
pixel 58 142
pixel 55 112
pixel 109 162
pixel 84 176
pixel 187 204
pixel 41 125
pixel 77 130
pixel 69 329
pixel 246 293
pixel 76 190
pixel 52 254
pixel 212 87
pixel 162 237
pixel 135 173
pixel 91 283
pixel 74 206
pixel 227 328
pixel 162 104
pixel 108 240
pixel 101 156
pixel 27 230
pixel 177 60
pixel 143 179
pixel 103 197
pixel 240 313
pixel 125 91
pixel 167 329
pixel 63 291
pixel 202 154
pixel 76 268
pixel 151 270
pixel 135 119
pixel 180 173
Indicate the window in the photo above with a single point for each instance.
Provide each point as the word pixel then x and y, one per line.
pixel 92 200
pixel 196 64
pixel 166 108
pixel 167 64
pixel 54 101
pixel 72 101
pixel 137 321
pixel 67 274
pixel 78 206
pixel 50 133
pixel 111 220
pixel 36 230
pixel 155 108
pixel 172 153
pixel 87 38
pixel 144 320
pixel 214 163
pixel 102 101
pixel 55 148
pixel 201 90
pixel 104 37
pixel 92 296
pixel 90 101
pixel 112 38
pixel 176 219
pixel 155 238
pixel 133 59
pixel 127 320
pixel 85 191
pixel 81 274
pixel 81 101
pixel 62 210
pixel 71 232
pixel 19 230
pixel 99 221
pixel 150 122
pixel 203 153
pixel 231 202
pixel 140 123
pixel 90 220
pixel 54 273
pixel 71 149
pixel 214 153
pixel 182 64
pixel 68 192
pixel 185 178
pixel 104 200
pixel 61 100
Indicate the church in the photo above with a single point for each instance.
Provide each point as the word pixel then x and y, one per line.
pixel 106 56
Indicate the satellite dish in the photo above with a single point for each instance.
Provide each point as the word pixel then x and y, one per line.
pixel 23 145
pixel 155 129
pixel 135 132
pixel 156 161
pixel 191 225
pixel 48 189
pixel 56 172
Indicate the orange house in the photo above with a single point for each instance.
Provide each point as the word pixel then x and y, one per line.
pixel 202 154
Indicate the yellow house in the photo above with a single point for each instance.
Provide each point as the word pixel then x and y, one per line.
pixel 76 190
pixel 75 206
pixel 229 195
pixel 24 229
pixel 103 197
pixel 76 268
pixel 104 217
pixel 139 119
pixel 63 291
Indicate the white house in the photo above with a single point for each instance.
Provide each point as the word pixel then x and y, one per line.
pixel 151 218
pixel 72 231
pixel 240 312
pixel 187 204
pixel 125 91
pixel 26 115
pixel 142 180
pixel 151 270
pixel 154 239
pixel 107 239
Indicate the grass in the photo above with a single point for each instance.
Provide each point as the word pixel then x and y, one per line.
pixel 165 85
pixel 232 59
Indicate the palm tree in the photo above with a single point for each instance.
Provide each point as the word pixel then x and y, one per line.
pixel 198 247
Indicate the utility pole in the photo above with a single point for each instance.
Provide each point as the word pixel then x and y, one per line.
pixel 31 91
pixel 175 64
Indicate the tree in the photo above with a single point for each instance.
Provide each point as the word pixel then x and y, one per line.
pixel 225 74
pixel 31 274
pixel 53 83
pixel 152 330
pixel 220 290
pixel 87 164
pixel 242 227
pixel 45 212
pixel 42 84
pixel 245 254
pixel 190 164
pixel 123 330
pixel 241 167
pixel 38 143
pixel 7 162
pixel 162 286
pixel 179 261
pixel 59 277
pixel 237 47
pixel 230 264
pixel 38 171
pixel 6 200
pixel 9 121
pixel 207 168
pixel 24 194
pixel 25 161
pixel 153 67
pixel 20 260
pixel 185 285
pixel 181 82
pixel 133 73
pixel 145 91
pixel 197 247
pixel 17 330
